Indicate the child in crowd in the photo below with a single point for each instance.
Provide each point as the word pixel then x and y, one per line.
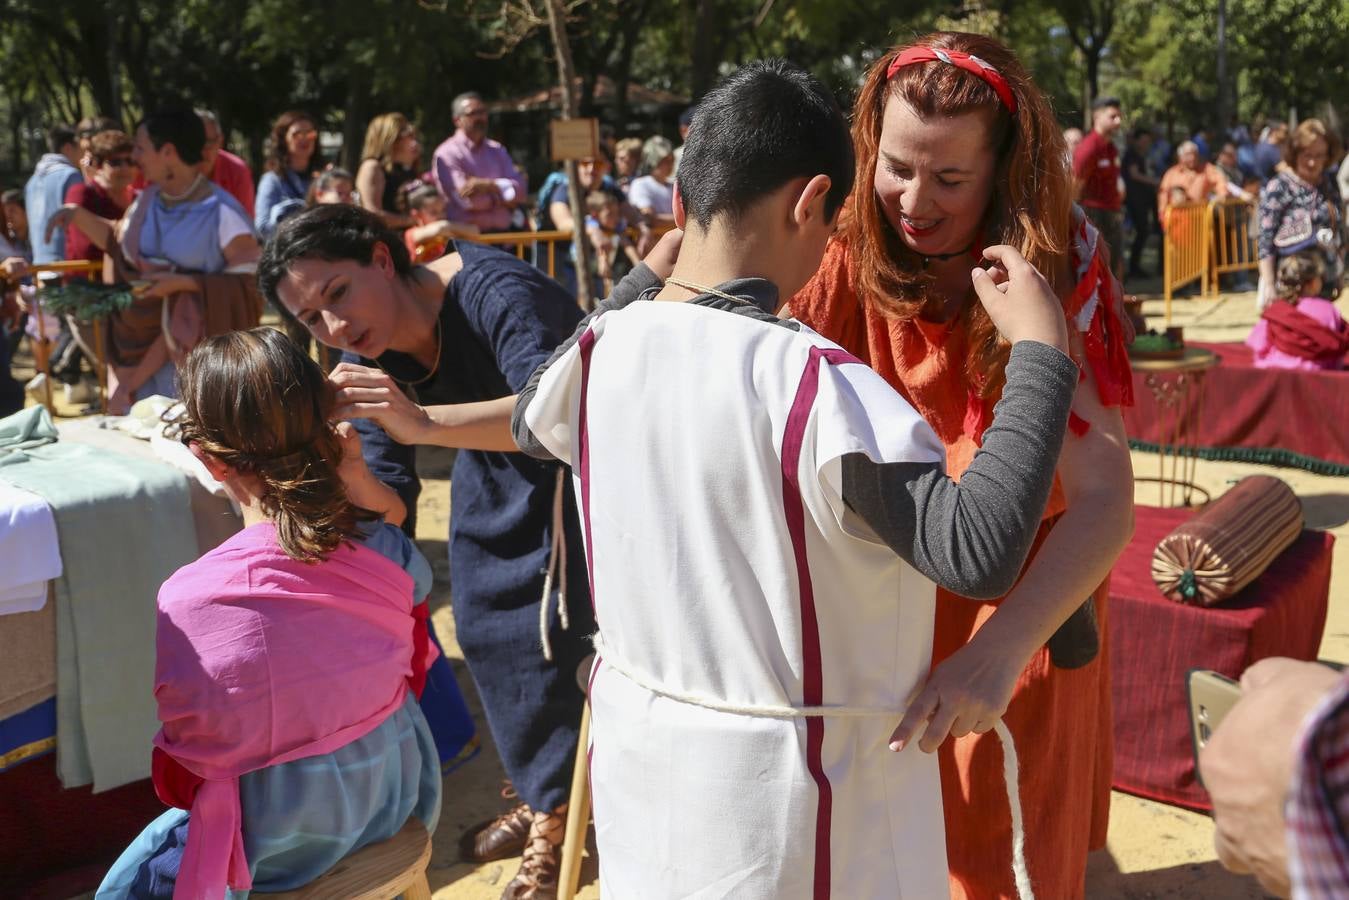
pixel 289 659
pixel 1304 331
pixel 765 519
pixel 333 185
pixel 1175 197
pixel 430 236
pixel 607 230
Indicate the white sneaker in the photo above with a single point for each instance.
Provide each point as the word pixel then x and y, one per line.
pixel 77 392
pixel 37 387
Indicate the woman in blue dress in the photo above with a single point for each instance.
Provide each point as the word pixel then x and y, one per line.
pixel 442 350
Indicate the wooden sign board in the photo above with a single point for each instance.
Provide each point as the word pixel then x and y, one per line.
pixel 575 138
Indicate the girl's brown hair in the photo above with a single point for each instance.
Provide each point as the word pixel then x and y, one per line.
pixel 1296 273
pixel 1030 207
pixel 278 157
pixel 257 403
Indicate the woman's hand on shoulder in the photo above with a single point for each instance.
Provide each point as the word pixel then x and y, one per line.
pixel 364 393
pixel 1019 300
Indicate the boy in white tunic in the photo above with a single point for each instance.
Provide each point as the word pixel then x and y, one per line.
pixel 764 520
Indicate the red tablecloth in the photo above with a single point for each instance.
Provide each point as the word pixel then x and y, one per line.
pixel 1275 416
pixel 1155 642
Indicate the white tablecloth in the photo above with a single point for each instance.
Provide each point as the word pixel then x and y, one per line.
pixel 29 551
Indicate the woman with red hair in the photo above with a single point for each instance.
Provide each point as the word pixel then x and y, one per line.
pixel 958 150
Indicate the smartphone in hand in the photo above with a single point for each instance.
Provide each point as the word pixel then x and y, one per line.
pixel 1211 696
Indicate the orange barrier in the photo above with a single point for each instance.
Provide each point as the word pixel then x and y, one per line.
pixel 1185 246
pixel 1205 240
pixel 522 238
pixel 1234 247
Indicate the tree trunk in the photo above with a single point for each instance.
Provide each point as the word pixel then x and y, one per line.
pixel 352 132
pixel 114 90
pixel 703 53
pixel 557 24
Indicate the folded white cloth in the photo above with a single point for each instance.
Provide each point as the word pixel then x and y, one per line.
pixel 29 552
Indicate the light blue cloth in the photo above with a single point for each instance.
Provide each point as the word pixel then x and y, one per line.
pixel 276 198
pixel 188 234
pixel 124 525
pixel 43 195
pixel 300 818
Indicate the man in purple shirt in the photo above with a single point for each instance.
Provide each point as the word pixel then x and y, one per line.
pixel 477 176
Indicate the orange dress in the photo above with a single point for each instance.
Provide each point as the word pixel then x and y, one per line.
pixel 1060 719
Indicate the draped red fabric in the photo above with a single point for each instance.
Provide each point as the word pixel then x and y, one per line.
pixel 1298 334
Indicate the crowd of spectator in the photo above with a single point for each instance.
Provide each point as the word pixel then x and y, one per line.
pixel 1292 180
pixel 470 186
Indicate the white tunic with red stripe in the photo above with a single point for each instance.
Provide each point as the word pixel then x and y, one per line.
pixel 727 574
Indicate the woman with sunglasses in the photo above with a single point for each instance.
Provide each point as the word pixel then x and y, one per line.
pixel 107 193
pixel 293 156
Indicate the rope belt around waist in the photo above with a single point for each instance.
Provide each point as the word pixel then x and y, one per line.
pixel 1010 770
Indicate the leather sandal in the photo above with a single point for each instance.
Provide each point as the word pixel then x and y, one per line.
pixel 498 838
pixel 538 875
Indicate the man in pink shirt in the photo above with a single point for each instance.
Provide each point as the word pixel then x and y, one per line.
pixel 479 179
pixel 222 166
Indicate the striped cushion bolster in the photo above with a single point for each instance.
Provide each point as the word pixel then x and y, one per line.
pixel 1227 545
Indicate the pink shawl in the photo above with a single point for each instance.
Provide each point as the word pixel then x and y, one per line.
pixel 262 660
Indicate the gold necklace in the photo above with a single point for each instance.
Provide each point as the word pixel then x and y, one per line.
pixel 702 289
pixel 434 366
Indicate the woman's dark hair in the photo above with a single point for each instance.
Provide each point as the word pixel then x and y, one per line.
pixel 179 127
pixel 15 196
pixel 257 403
pixel 764 124
pixel 333 232
pixel 278 157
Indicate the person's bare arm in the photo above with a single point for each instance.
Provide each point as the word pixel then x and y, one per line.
pixel 242 251
pixel 363 488
pixel 370 186
pixel 1096 473
pixel 365 393
pixel 561 215
pixel 97 229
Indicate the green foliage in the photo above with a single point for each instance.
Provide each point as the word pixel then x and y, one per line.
pixel 349 60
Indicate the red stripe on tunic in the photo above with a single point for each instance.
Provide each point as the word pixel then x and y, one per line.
pixel 587 344
pixel 812 677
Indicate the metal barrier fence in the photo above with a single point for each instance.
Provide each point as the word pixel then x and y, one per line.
pixel 1234 244
pixel 1204 240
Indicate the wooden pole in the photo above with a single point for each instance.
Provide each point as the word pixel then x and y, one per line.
pixel 566 73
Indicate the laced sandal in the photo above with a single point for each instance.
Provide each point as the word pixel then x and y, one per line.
pixel 537 878
pixel 498 838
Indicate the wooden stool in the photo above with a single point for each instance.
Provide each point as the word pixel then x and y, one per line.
pixel 381 871
pixel 578 805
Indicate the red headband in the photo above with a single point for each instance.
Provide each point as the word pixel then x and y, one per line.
pixel 972 64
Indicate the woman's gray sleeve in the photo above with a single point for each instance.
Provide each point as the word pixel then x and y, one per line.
pixel 972 537
pixel 632 286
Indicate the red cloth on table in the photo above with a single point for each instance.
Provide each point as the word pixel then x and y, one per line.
pixel 1245 407
pixel 1155 642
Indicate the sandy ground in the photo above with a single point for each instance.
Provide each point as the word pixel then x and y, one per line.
pixel 1154 851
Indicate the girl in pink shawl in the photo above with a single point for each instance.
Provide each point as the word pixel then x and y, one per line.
pixel 289 659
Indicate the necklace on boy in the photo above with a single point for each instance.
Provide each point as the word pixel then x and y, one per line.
pixel 702 289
